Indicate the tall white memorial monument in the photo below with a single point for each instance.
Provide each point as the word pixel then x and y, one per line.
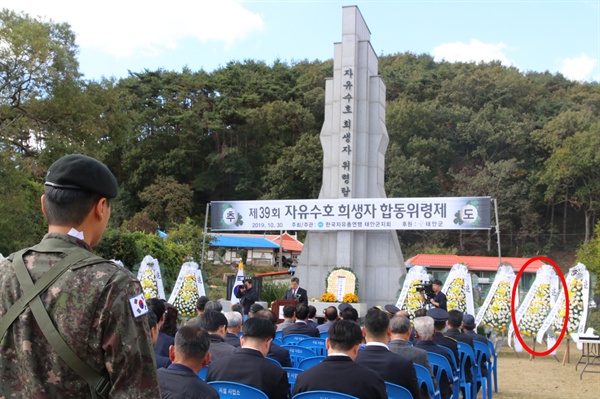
pixel 354 140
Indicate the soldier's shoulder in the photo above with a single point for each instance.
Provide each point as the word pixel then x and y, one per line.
pixel 450 338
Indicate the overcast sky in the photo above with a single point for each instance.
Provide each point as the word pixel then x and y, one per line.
pixel 117 36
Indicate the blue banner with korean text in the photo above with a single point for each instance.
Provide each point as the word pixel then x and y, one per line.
pixel 444 213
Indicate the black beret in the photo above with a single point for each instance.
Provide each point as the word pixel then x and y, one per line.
pixel 391 309
pixel 344 306
pixel 438 314
pixel 80 172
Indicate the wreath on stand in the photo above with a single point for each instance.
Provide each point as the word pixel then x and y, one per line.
pixel 350 288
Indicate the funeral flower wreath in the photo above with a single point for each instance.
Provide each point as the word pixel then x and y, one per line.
pixel 576 307
pixel 413 301
pixel 149 284
pixel 497 315
pixel 456 295
pixel 536 312
pixel 187 296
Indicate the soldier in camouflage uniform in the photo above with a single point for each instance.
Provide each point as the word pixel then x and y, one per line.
pixel 98 310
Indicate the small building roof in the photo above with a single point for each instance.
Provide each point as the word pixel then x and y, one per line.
pixel 289 242
pixel 232 241
pixel 475 263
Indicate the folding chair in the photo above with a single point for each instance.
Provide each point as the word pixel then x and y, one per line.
pixel 274 361
pixel 233 390
pixel 202 373
pixel 466 355
pixel 293 339
pixel 298 353
pixel 316 345
pixel 397 392
pixel 323 395
pixel 292 374
pixel 482 356
pixel 493 368
pixel 425 378
pixel 310 361
pixel 441 365
pixel 324 334
pixel 278 335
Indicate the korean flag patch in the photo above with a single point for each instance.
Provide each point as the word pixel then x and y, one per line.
pixel 138 305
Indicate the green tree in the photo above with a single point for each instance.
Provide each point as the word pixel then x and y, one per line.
pixel 168 202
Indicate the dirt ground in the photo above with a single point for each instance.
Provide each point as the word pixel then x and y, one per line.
pixel 544 377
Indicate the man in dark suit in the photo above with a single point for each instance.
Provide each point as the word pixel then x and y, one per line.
pixel 468 325
pixel 455 318
pixel 377 356
pixel 295 292
pixel 424 332
pixel 248 365
pixel 401 332
pixel 215 323
pixel 301 326
pixel 189 355
pixel 440 321
pixel 338 372
pixel 276 352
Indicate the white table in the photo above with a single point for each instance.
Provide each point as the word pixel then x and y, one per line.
pixel 591 352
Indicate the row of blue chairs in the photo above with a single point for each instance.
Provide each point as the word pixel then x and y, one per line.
pixel 279 335
pixel 234 390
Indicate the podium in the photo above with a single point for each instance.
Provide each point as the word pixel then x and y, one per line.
pixel 277 307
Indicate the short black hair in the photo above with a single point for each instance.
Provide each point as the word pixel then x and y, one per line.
pixel 288 311
pixel 400 324
pixel 312 311
pixel 350 314
pixel 192 342
pixel 212 320
pixel 151 316
pixel 157 306
pixel 257 327
pixel 201 302
pixel 377 322
pixel 420 312
pixel 295 280
pixel 213 305
pixel 237 308
pixel 68 207
pixel 439 325
pixel 302 312
pixel 344 335
pixel 331 313
pixel 170 325
pixel 455 318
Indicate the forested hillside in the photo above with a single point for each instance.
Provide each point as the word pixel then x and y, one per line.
pixel 179 139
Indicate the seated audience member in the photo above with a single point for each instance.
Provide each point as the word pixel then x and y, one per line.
pixel 377 356
pixel 339 372
pixel 347 312
pixel 418 313
pixel 276 352
pixel 161 361
pixel 248 365
pixel 238 308
pixel 401 331
pixel 301 326
pixel 164 341
pixel 440 322
pixel 468 325
pixel 213 305
pixel 169 327
pixel 312 313
pixel 254 309
pixel 455 318
pixel 391 310
pixel 424 332
pixel 200 307
pixel 331 315
pixel 288 317
pixel 234 326
pixel 189 355
pixel 215 323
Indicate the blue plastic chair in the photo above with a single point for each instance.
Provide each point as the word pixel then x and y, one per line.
pixel 397 392
pixel 233 390
pixel 441 365
pixel 278 334
pixel 316 345
pixel 493 368
pixel 323 395
pixel 324 334
pixel 277 341
pixel 202 373
pixel 274 361
pixel 482 356
pixel 292 374
pixel 456 365
pixel 298 353
pixel 465 353
pixel 293 339
pixel 425 378
pixel 308 362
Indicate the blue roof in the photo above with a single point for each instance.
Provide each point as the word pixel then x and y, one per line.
pixel 241 242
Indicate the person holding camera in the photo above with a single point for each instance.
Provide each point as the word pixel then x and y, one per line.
pixel 247 295
pixel 439 300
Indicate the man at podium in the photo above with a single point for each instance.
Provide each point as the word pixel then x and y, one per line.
pixel 295 292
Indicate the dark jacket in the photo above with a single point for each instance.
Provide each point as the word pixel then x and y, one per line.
pixel 163 343
pixel 232 340
pixel 301 295
pixel 219 348
pixel 248 366
pixel 445 383
pixel 180 382
pixel 280 354
pixel 390 366
pixel 341 374
pixel 247 299
pixel 301 327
